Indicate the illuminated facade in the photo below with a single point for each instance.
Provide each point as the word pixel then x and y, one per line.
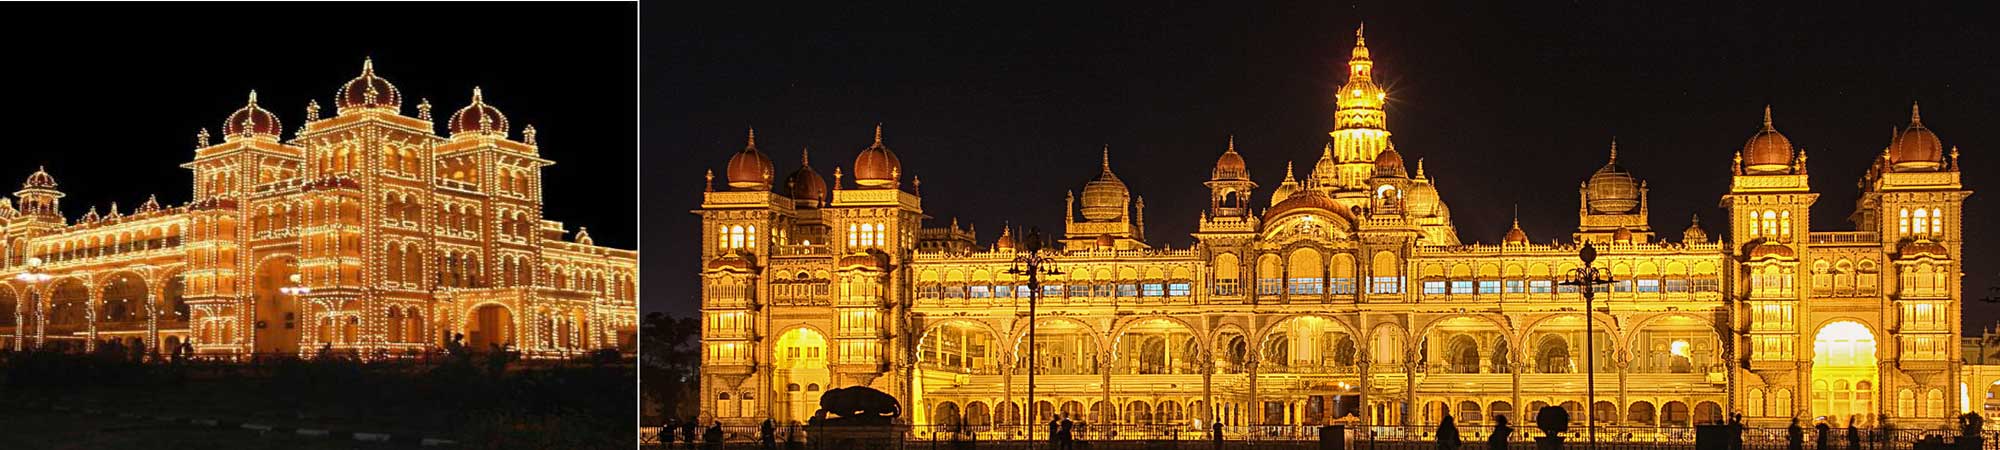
pixel 1348 297
pixel 366 232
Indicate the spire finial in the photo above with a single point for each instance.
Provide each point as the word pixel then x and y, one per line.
pixel 1614 149
pixel 1916 119
pixel 367 66
pixel 1695 221
pixel 805 156
pixel 878 134
pixel 1288 171
pixel 253 97
pixel 1517 216
pixel 753 137
pixel 1327 151
pixel 1107 157
pixel 477 97
pixel 1420 168
pixel 1232 143
pixel 708 181
pixel 1767 117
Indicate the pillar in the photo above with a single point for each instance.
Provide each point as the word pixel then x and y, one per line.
pixel 1361 364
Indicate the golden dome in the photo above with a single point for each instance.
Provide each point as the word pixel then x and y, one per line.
pixel 1230 167
pixel 1360 92
pixel 1104 198
pixel 1286 187
pixel 1612 189
pixel 1917 148
pixel 368 91
pixel 1390 164
pixel 1421 198
pixel 876 166
pixel 1768 151
pixel 1622 235
pixel 807 189
pixel 1694 234
pixel 40 180
pixel 1515 235
pixel 750 169
pixel 478 117
pixel 1307 200
pixel 251 117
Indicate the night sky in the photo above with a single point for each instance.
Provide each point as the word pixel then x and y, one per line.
pixel 1002 107
pixel 113 110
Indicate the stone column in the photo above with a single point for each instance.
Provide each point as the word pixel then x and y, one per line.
pixel 1207 387
pixel 1409 388
pixel 1624 362
pixel 1361 364
pixel 90 315
pixel 1520 409
pixel 1255 407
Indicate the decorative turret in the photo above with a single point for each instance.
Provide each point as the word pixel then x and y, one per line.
pixel 1694 234
pixel 1360 125
pixel 1611 189
pixel 1767 152
pixel 367 92
pixel 1515 236
pixel 1916 149
pixel 1229 184
pixel 39 197
pixel 1104 198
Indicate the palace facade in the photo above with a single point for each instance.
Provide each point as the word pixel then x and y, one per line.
pixel 1347 296
pixel 367 232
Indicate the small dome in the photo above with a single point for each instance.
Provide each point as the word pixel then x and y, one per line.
pixel 1917 148
pixel 1421 200
pixel 1285 188
pixel 1768 151
pixel 1770 249
pixel 251 117
pixel 1389 163
pixel 368 91
pixel 39 180
pixel 1694 234
pixel 1006 241
pixel 1230 167
pixel 876 166
pixel 807 189
pixel 1104 198
pixel 1105 241
pixel 750 169
pixel 1516 236
pixel 1612 189
pixel 479 118
pixel 1622 235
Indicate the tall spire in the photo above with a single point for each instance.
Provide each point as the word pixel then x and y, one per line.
pixel 1517 216
pixel 1420 168
pixel 1232 144
pixel 752 142
pixel 1107 158
pixel 1767 118
pixel 878 134
pixel 1916 118
pixel 1614 150
pixel 1288 171
pixel 805 157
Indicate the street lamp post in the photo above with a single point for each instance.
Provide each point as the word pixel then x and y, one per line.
pixel 34 276
pixel 1586 279
pixel 1033 260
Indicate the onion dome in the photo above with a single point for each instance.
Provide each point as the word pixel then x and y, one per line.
pixel 1768 151
pixel 368 91
pixel 152 204
pixel 1285 188
pixel 1006 242
pixel 1307 200
pixel 807 188
pixel 1104 198
pixel 1612 189
pixel 1917 148
pixel 1923 247
pixel 1622 235
pixel 1230 167
pixel 40 180
pixel 1694 234
pixel 90 216
pixel 1769 249
pixel 876 166
pixel 479 118
pixel 250 119
pixel 1515 236
pixel 1389 164
pixel 749 169
pixel 1420 199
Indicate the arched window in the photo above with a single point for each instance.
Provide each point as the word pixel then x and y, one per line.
pixel 1937 222
pixel 1785 225
pixel 1903 221
pixel 1922 222
pixel 1769 227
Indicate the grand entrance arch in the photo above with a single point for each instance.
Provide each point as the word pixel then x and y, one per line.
pixel 800 374
pixel 488 326
pixel 1844 376
pixel 276 329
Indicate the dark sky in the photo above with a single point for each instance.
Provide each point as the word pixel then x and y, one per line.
pixel 1002 107
pixel 109 96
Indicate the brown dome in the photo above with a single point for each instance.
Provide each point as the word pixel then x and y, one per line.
pixel 1230 167
pixel 1917 148
pixel 1006 241
pixel 479 118
pixel 368 91
pixel 1105 241
pixel 876 166
pixel 253 118
pixel 1389 163
pixel 1104 198
pixel 40 180
pixel 1306 200
pixel 1694 234
pixel 1771 250
pixel 749 169
pixel 1515 235
pixel 1622 235
pixel 807 189
pixel 1768 151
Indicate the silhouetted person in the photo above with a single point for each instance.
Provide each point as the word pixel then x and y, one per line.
pixel 1853 435
pixel 1068 432
pixel 768 432
pixel 687 432
pixel 1819 442
pixel 713 437
pixel 1498 441
pixel 1215 433
pixel 1055 432
pixel 1736 431
pixel 1795 437
pixel 1447 435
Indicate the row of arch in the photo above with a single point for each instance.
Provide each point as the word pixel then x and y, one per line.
pixel 99 245
pixel 122 299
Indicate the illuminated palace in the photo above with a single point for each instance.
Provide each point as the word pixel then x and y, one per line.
pixel 366 232
pixel 1348 297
